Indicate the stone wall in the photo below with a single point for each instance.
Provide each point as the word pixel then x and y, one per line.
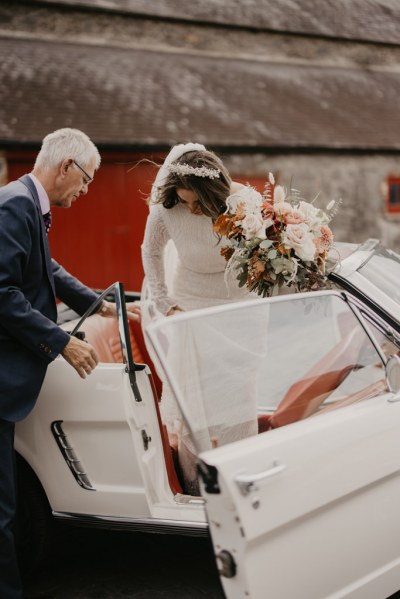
pixel 359 180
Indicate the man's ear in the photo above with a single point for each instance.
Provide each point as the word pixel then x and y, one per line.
pixel 66 165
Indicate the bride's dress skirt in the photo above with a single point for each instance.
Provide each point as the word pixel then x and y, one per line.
pixel 221 415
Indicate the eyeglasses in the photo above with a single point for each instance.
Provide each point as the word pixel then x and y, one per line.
pixel 89 179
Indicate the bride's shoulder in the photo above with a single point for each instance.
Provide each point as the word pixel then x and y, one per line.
pixel 156 208
pixel 157 213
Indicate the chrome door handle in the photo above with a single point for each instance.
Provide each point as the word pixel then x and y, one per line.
pixel 247 482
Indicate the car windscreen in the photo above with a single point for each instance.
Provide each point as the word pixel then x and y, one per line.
pixel 280 360
pixel 382 269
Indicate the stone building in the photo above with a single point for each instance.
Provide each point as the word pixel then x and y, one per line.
pixel 305 89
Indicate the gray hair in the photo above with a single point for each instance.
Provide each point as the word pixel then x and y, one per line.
pixel 66 143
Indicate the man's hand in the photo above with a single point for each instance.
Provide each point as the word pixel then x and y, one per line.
pixel 109 310
pixel 81 356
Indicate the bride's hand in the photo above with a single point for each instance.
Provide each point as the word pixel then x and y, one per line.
pixel 173 310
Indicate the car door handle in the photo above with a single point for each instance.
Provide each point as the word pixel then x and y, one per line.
pixel 247 482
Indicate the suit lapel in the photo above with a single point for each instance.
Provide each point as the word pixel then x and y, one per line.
pixel 27 181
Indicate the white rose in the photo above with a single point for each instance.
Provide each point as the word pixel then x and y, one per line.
pixel 299 238
pixel 248 196
pixel 312 216
pixel 253 226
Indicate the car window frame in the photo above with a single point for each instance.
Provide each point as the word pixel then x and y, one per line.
pixel 131 367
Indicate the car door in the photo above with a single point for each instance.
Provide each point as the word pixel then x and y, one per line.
pixel 308 508
pixel 86 438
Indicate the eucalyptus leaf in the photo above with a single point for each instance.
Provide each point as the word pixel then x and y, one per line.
pixel 275 290
pixel 242 278
pixel 266 244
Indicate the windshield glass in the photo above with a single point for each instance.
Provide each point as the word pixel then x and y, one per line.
pixel 236 370
pixel 383 270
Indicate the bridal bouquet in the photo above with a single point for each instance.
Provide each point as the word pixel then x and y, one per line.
pixel 276 238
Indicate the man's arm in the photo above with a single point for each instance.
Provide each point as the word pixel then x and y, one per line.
pixel 18 225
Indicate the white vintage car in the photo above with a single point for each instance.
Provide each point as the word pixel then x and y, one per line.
pixel 292 407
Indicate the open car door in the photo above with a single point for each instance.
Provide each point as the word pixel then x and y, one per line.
pixel 87 439
pixel 297 438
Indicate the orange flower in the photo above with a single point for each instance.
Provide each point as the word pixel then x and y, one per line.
pixel 227 252
pixel 282 249
pixel 259 267
pixel 224 224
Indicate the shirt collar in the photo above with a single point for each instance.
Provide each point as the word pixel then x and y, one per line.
pixel 43 197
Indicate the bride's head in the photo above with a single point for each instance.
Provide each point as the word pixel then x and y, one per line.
pixel 198 180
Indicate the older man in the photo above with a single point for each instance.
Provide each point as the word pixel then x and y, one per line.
pixel 30 281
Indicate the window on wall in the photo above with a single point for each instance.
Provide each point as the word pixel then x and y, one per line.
pixel 393 195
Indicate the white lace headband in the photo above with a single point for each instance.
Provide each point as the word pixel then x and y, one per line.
pixel 175 153
pixel 197 171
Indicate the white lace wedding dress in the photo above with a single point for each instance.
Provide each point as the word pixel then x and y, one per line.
pixel 191 274
pixel 198 280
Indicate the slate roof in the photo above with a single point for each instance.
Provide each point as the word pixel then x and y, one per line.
pixel 373 20
pixel 124 97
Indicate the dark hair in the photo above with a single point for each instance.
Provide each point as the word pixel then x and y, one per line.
pixel 211 193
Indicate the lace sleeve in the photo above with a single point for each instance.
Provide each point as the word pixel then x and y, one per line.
pixel 154 242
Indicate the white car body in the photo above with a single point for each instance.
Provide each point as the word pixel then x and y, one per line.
pixel 307 509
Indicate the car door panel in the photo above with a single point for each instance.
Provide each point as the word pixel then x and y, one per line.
pixel 313 529
pixel 84 437
pixel 93 416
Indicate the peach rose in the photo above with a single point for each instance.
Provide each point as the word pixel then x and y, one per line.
pixel 324 242
pixel 299 238
pixel 294 217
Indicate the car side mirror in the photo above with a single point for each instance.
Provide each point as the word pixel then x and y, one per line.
pixel 393 373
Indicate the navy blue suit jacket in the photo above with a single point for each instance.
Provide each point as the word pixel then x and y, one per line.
pixel 29 283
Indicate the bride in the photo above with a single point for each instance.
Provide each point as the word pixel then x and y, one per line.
pixel 188 195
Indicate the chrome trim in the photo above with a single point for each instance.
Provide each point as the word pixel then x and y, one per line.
pixel 151 525
pixel 188 499
pixel 69 455
pixel 248 482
